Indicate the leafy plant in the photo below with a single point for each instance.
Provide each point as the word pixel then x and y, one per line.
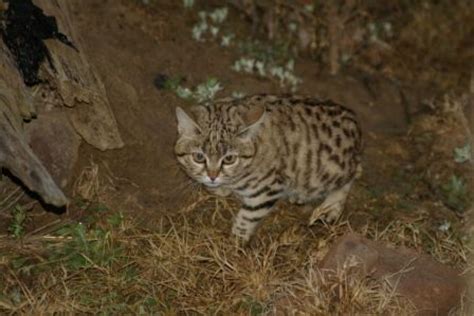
pixel 204 92
pixel 84 248
pixel 210 22
pixel 207 91
pixel 238 95
pixel 254 307
pixel 262 59
pixel 455 193
pixel 183 93
pixel 462 154
pixel 226 40
pixel 284 74
pixel 116 219
pixel 188 4
pixel 16 227
pixel 219 15
pixel 148 306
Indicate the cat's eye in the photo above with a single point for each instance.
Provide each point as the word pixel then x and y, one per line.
pixel 229 159
pixel 199 157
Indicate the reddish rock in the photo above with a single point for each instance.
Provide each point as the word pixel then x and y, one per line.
pixel 433 288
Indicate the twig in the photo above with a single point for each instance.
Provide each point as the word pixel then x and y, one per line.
pixel 9 196
pixel 13 202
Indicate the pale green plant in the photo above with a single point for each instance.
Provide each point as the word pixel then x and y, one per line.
pixel 226 40
pixel 203 92
pixel 214 31
pixel 207 91
pixel 455 193
pixel 462 154
pixel 86 247
pixel 445 226
pixel 284 74
pixel 238 95
pixel 17 225
pixel 309 8
pixel 209 22
pixel 199 30
pixel 188 4
pixel 184 93
pixel 379 31
pixel 219 15
pixel 263 60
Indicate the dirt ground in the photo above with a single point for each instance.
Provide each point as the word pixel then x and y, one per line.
pixel 158 43
pixel 147 41
pixel 400 198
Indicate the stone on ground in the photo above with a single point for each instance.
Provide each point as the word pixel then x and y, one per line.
pixel 432 287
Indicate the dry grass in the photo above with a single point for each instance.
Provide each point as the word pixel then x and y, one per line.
pixel 96 181
pixel 190 265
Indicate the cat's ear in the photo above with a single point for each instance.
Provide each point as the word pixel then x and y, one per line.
pixel 253 119
pixel 186 125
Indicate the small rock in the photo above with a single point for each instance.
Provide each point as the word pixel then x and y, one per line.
pixel 433 288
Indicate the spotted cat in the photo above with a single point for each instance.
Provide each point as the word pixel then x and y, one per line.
pixel 265 148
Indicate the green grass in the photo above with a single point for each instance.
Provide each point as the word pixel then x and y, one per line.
pixel 17 224
pixel 455 193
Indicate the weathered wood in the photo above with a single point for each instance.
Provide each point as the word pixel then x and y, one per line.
pixel 17 157
pixel 15 154
pixel 77 83
pixel 14 89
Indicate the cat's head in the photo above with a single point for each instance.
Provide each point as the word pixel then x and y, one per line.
pixel 216 143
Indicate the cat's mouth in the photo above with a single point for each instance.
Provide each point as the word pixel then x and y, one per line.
pixel 212 184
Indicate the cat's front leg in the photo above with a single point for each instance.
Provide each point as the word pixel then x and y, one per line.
pixel 252 211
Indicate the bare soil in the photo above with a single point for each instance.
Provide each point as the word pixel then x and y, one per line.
pixel 130 45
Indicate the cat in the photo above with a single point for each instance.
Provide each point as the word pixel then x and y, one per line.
pixel 264 148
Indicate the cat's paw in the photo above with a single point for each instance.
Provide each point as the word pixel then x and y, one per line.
pixel 326 213
pixel 297 200
pixel 332 206
pixel 241 233
pixel 223 192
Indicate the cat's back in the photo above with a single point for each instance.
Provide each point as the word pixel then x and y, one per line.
pixel 316 143
pixel 307 119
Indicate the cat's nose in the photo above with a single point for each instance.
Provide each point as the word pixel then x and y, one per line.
pixel 212 174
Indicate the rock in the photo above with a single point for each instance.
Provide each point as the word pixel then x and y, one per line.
pixel 433 288
pixel 56 144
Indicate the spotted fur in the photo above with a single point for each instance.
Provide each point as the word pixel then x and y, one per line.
pixel 265 148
